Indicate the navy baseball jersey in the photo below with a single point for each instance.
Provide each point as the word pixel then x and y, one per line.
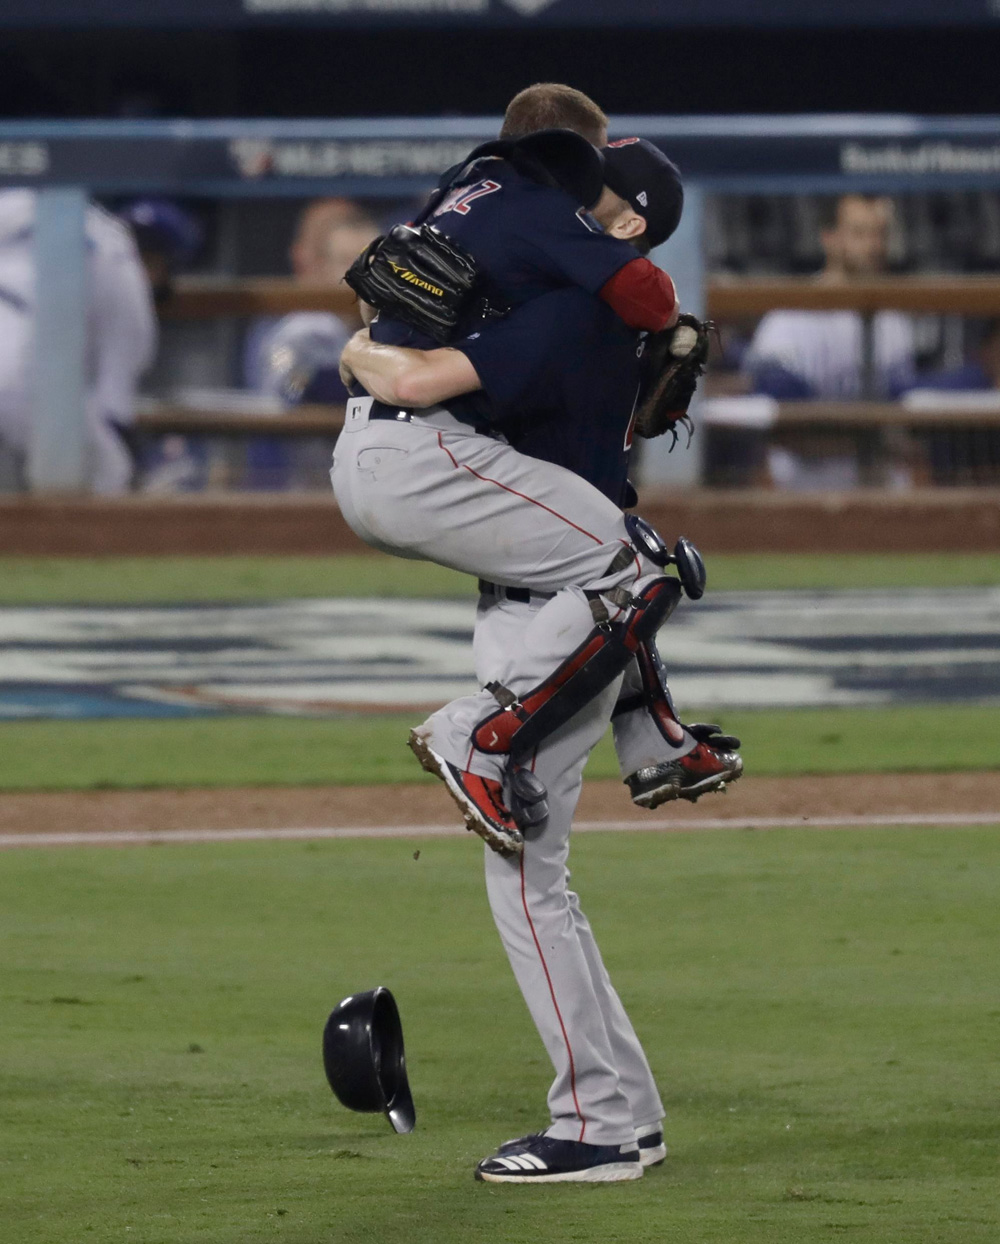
pixel 562 376
pixel 527 239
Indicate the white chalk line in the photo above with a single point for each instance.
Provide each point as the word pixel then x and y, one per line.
pixel 144 837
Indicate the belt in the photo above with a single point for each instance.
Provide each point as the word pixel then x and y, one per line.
pixel 521 595
pixel 399 414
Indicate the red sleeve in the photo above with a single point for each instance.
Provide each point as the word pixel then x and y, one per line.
pixel 642 295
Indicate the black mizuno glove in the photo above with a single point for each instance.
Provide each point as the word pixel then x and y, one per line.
pixel 417 275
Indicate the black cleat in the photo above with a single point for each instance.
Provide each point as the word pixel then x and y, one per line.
pixel 652 1150
pixel 711 766
pixel 542 1159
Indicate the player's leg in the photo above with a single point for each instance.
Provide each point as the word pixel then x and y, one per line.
pixel 435 489
pixel 660 758
pixel 590 1112
pixel 554 666
pixel 597 1058
pixel 634 1073
pixel 110 464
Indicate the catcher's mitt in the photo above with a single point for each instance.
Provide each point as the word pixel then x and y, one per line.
pixel 417 275
pixel 673 361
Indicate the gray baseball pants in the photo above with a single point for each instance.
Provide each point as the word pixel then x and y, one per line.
pixel 433 488
pixel 436 489
pixel 603 1088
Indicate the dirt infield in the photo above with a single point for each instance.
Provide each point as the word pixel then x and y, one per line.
pixel 941 520
pixel 750 800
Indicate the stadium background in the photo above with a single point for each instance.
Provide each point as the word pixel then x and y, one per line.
pixel 818 1001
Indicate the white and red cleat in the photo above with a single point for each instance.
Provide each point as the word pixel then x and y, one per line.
pixel 479 799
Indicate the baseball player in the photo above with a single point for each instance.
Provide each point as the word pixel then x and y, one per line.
pixel 606 1113
pixel 651 743
pixel 646 731
pixel 438 486
pixel 121 336
pixel 561 367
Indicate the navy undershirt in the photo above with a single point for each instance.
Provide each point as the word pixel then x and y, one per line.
pixel 562 374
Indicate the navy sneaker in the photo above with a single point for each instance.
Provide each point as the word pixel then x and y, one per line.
pixel 542 1159
pixel 652 1150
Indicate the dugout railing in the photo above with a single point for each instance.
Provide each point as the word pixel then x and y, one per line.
pixel 945 441
pixel 391 158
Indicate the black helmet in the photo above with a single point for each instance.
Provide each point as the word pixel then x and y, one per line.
pixel 363 1057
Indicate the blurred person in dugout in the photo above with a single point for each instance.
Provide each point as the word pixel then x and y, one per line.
pixel 120 340
pixel 296 358
pixel 802 355
pixel 968 455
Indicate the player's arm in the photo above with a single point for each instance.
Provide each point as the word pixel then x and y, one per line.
pixel 514 360
pixel 642 296
pixel 400 376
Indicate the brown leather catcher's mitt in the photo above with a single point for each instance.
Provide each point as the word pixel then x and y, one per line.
pixel 673 361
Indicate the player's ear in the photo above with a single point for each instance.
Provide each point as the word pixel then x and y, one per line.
pixel 629 226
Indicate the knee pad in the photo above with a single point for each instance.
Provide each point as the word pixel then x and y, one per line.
pixel 689 562
pixel 520 725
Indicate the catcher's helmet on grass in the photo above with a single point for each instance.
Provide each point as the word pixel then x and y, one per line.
pixel 363 1057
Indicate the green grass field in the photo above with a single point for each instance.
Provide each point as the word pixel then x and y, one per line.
pixel 281 751
pixel 820 1009
pixel 54 755
pixel 134 580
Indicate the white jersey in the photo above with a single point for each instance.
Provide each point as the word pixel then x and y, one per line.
pixel 823 348
pixel 121 332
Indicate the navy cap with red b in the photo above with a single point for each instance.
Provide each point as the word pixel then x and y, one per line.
pixel 639 172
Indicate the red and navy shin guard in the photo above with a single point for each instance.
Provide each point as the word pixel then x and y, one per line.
pixel 655 696
pixel 520 725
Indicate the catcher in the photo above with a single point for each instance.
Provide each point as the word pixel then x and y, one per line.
pixel 520 524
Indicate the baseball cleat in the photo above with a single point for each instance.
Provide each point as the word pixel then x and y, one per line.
pixel 654 784
pixel 711 766
pixel 479 799
pixel 542 1159
pixel 652 1150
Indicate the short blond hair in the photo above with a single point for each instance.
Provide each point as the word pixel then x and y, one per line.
pixel 554 106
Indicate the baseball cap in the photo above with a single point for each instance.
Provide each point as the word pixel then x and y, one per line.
pixel 640 173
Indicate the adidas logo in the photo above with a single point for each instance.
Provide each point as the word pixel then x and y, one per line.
pixel 643 198
pixel 523 1162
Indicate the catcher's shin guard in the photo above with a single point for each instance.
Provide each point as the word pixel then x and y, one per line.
pixel 655 696
pixel 519 726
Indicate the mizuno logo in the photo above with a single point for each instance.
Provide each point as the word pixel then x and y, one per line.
pixel 411 278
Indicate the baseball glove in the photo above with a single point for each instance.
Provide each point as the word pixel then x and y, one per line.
pixel 673 361
pixel 417 275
